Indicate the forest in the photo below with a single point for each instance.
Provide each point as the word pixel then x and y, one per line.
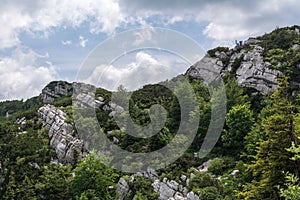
pixel 256 157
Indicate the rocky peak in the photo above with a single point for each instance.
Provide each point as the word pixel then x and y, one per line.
pixel 56 89
pixel 245 62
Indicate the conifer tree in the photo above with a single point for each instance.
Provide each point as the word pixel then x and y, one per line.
pixel 272 157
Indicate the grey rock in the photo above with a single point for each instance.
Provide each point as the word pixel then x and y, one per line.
pixel 183 178
pixel 234 172
pixel 150 173
pixel 86 100
pixel 84 96
pixel 295 46
pixel 122 188
pixel 165 192
pixel 115 140
pixel 208 69
pixel 204 166
pixel 251 41
pixel 114 108
pixel 253 71
pixel 169 189
pixel 60 134
pixel 55 90
pixel 178 196
pixel 192 196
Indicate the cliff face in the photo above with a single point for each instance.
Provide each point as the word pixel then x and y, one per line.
pixel 166 189
pixel 55 90
pixel 246 64
pixel 257 62
pixel 61 134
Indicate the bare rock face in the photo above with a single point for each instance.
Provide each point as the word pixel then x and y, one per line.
pixel 255 73
pixel 55 90
pixel 207 69
pixel 60 134
pixel 166 189
pixel 248 66
pixel 122 188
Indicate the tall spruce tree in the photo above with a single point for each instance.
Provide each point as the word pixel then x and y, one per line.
pixel 272 157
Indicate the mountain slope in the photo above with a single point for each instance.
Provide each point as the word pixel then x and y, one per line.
pixel 44 156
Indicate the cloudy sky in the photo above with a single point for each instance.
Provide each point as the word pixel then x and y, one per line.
pixel 44 40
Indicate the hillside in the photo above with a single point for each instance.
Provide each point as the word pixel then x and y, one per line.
pixel 48 143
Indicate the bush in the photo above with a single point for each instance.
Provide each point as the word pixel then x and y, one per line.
pixel 216 166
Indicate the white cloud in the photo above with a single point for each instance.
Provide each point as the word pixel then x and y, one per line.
pixel 82 41
pixel 66 42
pixel 19 78
pixel 144 70
pixel 142 36
pixel 226 19
pixel 41 16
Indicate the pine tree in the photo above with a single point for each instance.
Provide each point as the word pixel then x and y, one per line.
pixel 271 157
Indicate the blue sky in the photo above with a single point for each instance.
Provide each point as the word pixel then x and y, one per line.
pixel 41 41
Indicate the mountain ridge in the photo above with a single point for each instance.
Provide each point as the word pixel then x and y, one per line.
pixel 39 141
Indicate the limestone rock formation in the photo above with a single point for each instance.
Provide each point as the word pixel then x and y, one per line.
pixel 255 73
pixel 166 189
pixel 60 134
pixel 55 90
pixel 247 64
pixel 122 188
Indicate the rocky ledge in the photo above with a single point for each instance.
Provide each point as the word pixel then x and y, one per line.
pixel 166 189
pixel 247 65
pixel 61 134
pixel 55 90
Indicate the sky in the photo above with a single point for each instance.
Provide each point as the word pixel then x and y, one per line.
pixel 45 40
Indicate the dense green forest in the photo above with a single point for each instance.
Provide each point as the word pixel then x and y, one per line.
pixel 256 157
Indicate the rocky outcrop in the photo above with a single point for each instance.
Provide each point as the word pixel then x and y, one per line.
pixel 169 189
pixel 66 146
pixel 86 100
pixel 122 188
pixel 166 189
pixel 114 108
pixel 247 64
pixel 255 73
pixel 55 90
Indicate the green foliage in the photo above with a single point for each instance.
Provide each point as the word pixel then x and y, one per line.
pixel 220 165
pixel 141 188
pixel 205 185
pixel 292 190
pixel 271 156
pixel 239 121
pixel 93 176
pixel 209 193
pixel 16 107
pixel 260 137
pixel 216 166
pixel 234 93
pixel 54 183
pixel 62 101
pixel 217 49
pixel 282 38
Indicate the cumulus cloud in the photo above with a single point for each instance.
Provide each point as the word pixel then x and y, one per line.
pixel 41 16
pixel 226 19
pixel 144 70
pixel 20 78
